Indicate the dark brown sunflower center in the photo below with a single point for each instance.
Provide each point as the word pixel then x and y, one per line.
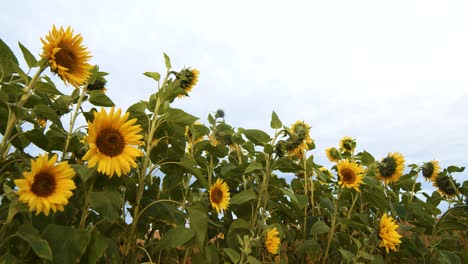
pixel 66 58
pixel 217 195
pixel 347 175
pixel 387 167
pixel 427 170
pixel 43 185
pixel 110 142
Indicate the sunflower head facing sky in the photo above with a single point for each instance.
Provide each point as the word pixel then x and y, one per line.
pixel 219 195
pixel 333 154
pixel 272 241
pixel 350 174
pixel 430 170
pixel 48 185
pixel 347 144
pixel 389 234
pixel 113 142
pixel 188 79
pixel 299 139
pixel 391 168
pixel 67 56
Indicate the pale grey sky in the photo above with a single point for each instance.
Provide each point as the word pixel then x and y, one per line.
pixel 393 74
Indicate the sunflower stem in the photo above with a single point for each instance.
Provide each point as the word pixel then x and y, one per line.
pixel 72 121
pixel 412 189
pixel 84 213
pixel 352 205
pixel 306 191
pixel 12 118
pixel 333 225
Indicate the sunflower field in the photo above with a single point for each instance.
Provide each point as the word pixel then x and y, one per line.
pixel 85 181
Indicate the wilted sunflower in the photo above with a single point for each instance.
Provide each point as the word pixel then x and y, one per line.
pixel 112 140
pixel 67 56
pixel 390 169
pixel 347 144
pixel 430 170
pixel 47 186
pixel 446 185
pixel 350 174
pixel 188 79
pixel 299 139
pixel 333 154
pixel 388 233
pixel 272 241
pixel 219 195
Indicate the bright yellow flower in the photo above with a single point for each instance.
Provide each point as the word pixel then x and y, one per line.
pixel 388 233
pixel 430 170
pixel 219 195
pixel 350 174
pixel 47 186
pixel 299 139
pixel 333 154
pixel 67 56
pixel 347 144
pixel 391 168
pixel 188 80
pixel 113 141
pixel 272 241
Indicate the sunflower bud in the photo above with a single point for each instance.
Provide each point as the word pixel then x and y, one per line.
pixel 98 85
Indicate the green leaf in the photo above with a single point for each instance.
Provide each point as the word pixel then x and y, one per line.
pixel 7 258
pixel 28 57
pixel 46 88
pixel 275 121
pixel 49 113
pixel 7 60
pixel 176 237
pixel 349 256
pixel 38 138
pixel 198 221
pixel 253 166
pixel 253 260
pixel 98 98
pixel 96 248
pixel 178 116
pixel 232 254
pixel 319 227
pixel 40 246
pixel 68 243
pixel 299 200
pixel 167 61
pixel 258 137
pixel 107 204
pixel 84 172
pixel 155 75
pixel 367 158
pixel 190 165
pixel 243 197
pixel 447 257
pixel 455 169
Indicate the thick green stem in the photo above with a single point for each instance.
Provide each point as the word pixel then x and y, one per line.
pixel 306 191
pixel 412 189
pixel 12 118
pixel 72 122
pixel 352 205
pixel 333 225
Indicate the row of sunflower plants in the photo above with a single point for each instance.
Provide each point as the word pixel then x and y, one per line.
pixel 82 180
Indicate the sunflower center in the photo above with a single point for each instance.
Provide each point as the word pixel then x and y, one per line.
pixel 43 185
pixel 348 145
pixel 347 175
pixel 66 58
pixel 110 142
pixel 217 195
pixel 427 170
pixel 387 167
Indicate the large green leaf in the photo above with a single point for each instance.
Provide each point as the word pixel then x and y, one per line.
pixel 179 116
pixel 28 57
pixel 7 60
pixel 96 248
pixel 319 227
pixel 243 197
pixel 107 204
pixel 98 98
pixel 198 221
pixel 232 254
pixel 258 137
pixel 176 237
pixel 40 246
pixel 49 113
pixel 68 244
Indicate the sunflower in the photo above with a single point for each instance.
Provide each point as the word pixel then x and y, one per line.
pixel 188 79
pixel 98 85
pixel 219 195
pixel 446 185
pixel 388 233
pixel 67 56
pixel 47 186
pixel 110 138
pixel 299 139
pixel 390 169
pixel 430 170
pixel 347 144
pixel 350 174
pixel 272 241
pixel 333 154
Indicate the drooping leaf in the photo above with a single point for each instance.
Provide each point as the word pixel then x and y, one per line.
pixel 67 243
pixel 96 248
pixel 198 221
pixel 98 98
pixel 232 254
pixel 243 197
pixel 39 245
pixel 107 204
pixel 176 237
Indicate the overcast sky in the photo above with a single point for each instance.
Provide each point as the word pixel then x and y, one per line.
pixel 393 74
